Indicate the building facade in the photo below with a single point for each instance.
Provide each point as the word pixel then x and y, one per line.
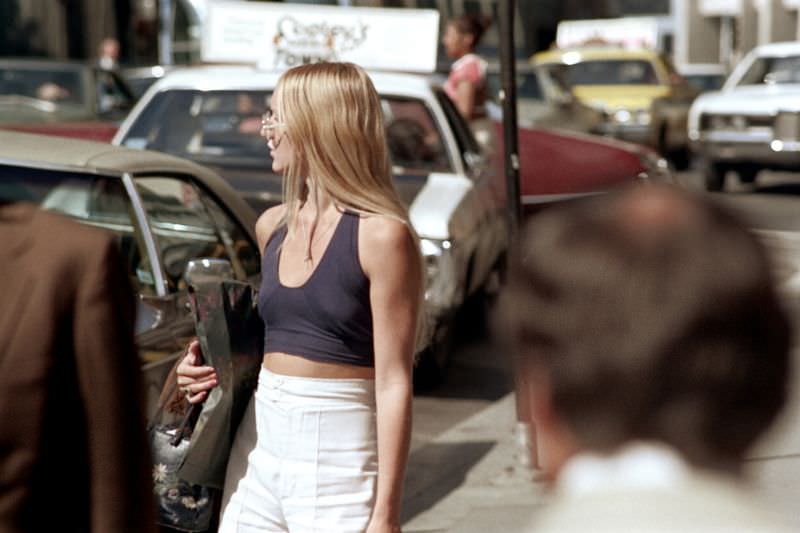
pixel 722 31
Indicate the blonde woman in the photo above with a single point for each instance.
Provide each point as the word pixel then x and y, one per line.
pixel 325 442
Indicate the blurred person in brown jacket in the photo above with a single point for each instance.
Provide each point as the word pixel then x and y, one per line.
pixel 73 452
pixel 655 352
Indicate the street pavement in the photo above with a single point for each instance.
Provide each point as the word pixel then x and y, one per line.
pixel 474 476
pixel 501 492
pixel 498 492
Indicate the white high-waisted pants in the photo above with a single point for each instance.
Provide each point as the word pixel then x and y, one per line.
pixel 304 458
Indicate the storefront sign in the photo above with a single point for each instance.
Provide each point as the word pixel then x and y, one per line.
pixel 720 8
pixel 630 32
pixel 279 36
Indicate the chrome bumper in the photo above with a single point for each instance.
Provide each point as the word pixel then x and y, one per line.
pixel 734 147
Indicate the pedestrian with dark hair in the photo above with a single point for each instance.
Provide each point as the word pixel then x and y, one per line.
pixel 325 441
pixel 466 83
pixel 654 351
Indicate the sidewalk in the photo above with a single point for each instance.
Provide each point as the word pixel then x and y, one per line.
pixel 474 480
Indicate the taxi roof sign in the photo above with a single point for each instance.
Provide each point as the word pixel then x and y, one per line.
pixel 280 36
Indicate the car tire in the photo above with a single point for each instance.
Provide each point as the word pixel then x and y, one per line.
pixel 432 362
pixel 679 157
pixel 747 173
pixel 715 176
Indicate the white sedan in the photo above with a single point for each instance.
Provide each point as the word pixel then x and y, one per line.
pixel 455 191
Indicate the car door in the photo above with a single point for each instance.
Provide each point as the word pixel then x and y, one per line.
pixel 484 212
pixel 184 221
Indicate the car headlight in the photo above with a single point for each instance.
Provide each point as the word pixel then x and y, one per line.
pixel 623 116
pixel 656 168
pixel 441 281
pixel 643 117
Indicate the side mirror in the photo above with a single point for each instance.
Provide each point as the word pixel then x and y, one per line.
pixel 207 270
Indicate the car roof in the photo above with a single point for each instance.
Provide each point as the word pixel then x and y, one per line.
pixel 43 151
pixel 778 49
pixel 594 53
pixel 242 77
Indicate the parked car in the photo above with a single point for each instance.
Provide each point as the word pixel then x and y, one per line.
pixel 68 99
pixel 643 97
pixel 753 123
pixel 140 78
pixel 543 104
pixel 560 166
pixel 164 212
pixel 456 199
pixel 704 76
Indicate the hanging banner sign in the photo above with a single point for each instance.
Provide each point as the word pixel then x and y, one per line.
pixel 720 8
pixel 630 32
pixel 278 36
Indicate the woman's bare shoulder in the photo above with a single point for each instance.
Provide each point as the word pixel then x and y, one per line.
pixel 384 240
pixel 268 222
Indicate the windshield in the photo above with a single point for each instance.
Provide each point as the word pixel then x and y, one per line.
pixel 604 72
pixel 55 85
pixel 222 129
pixel 772 70
pixel 527 85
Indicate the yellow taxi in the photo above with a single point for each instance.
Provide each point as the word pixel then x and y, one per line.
pixel 642 97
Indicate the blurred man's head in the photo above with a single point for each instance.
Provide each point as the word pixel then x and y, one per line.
pixel 648 315
pixel 108 53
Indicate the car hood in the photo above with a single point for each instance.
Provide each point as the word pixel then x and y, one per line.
pixel 619 96
pixel 752 99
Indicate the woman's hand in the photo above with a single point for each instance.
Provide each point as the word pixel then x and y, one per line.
pixel 195 380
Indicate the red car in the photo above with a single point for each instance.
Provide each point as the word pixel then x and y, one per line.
pixel 557 165
pixel 68 99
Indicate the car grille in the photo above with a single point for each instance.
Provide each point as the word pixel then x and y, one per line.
pixel 717 122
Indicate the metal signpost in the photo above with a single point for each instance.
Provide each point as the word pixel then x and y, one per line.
pixel 508 98
pixel 525 432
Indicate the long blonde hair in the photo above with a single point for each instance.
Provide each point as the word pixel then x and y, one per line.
pixel 334 120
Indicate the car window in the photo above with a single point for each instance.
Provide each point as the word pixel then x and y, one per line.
pixel 527 85
pixel 605 72
pixel 213 127
pixel 56 85
pixel 772 70
pixel 247 263
pixel 415 141
pixel 222 128
pixel 90 199
pixel 184 229
pixel 461 130
pixel 111 94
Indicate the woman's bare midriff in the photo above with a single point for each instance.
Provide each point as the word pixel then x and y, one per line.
pixel 294 365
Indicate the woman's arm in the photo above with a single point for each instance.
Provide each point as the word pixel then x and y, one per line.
pixel 391 261
pixel 465 98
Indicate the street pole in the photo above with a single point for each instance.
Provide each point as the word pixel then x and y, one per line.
pixel 508 97
pixel 165 32
pixel 527 451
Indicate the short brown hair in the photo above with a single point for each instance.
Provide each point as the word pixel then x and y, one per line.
pixel 654 316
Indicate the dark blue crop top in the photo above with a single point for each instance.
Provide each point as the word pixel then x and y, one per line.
pixel 329 318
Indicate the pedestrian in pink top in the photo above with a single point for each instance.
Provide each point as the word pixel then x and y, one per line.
pixel 466 84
